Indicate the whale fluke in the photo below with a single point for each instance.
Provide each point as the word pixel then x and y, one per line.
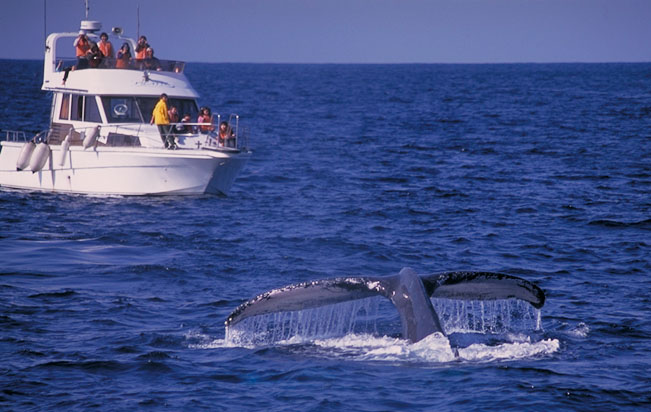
pixel 482 286
pixel 409 293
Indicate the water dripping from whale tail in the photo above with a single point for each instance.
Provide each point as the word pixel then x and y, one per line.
pixel 408 292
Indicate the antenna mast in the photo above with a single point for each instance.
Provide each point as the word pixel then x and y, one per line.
pixel 45 22
pixel 138 14
pixel 87 8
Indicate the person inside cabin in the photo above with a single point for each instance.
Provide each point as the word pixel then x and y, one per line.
pixel 94 56
pixel 124 57
pixel 82 46
pixel 141 48
pixel 106 47
pixel 226 135
pixel 150 62
pixel 205 117
pixel 160 117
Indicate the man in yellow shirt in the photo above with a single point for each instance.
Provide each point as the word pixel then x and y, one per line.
pixel 161 118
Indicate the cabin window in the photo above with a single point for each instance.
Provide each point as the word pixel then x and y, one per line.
pixel 91 111
pixel 77 107
pixel 121 109
pixel 183 106
pixel 127 109
pixel 147 104
pixel 64 113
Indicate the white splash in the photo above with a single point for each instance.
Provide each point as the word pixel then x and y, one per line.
pixel 580 331
pixel 508 351
pixel 434 348
pixel 198 340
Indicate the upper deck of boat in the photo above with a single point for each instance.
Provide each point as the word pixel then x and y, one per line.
pixel 144 77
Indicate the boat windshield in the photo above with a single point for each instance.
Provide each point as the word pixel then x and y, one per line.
pixel 129 109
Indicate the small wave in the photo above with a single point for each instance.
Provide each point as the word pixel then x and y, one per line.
pixel 206 342
pixel 396 99
pixel 154 356
pixel 93 365
pixel 62 294
pixel 199 340
pixel 154 367
pixel 580 331
pixel 615 223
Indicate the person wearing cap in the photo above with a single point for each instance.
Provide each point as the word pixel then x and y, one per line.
pixel 150 62
pixel 82 46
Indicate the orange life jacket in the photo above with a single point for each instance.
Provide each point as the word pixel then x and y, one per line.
pixel 205 119
pixel 142 52
pixel 122 62
pixel 82 47
pixel 106 49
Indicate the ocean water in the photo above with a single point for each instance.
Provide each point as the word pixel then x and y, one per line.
pixel 538 171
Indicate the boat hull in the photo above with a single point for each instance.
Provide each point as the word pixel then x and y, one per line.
pixel 120 171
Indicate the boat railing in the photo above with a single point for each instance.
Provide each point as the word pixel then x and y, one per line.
pixel 173 66
pixel 22 136
pixel 15 136
pixel 124 128
pixel 233 124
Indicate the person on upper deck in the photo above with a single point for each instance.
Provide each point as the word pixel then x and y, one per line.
pixel 150 62
pixel 105 46
pixel 205 117
pixel 94 56
pixel 124 56
pixel 141 48
pixel 82 46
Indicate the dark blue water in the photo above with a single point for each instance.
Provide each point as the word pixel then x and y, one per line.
pixel 539 171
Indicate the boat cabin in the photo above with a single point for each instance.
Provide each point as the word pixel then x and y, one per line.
pixel 122 118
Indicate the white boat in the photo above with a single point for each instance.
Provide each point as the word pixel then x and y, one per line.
pixel 100 140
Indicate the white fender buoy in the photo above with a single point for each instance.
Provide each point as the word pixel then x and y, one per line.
pixel 25 155
pixel 40 156
pixel 65 146
pixel 91 138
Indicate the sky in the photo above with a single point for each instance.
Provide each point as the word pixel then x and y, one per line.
pixel 350 31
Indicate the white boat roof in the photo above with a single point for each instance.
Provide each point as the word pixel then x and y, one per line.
pixel 108 80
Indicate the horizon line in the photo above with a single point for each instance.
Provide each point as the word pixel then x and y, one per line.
pixel 390 63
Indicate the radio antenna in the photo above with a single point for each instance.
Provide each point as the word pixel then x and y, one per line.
pixel 45 22
pixel 138 14
pixel 87 8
